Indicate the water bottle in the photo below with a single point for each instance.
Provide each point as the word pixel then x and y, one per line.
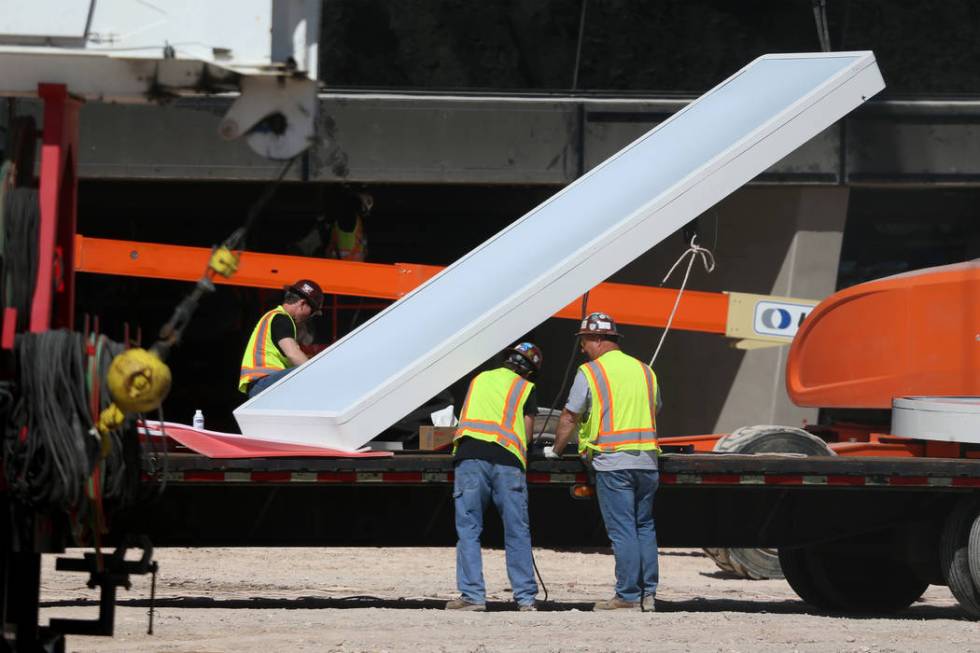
pixel 198 422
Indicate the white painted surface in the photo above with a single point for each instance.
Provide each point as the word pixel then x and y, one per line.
pixel 950 419
pixel 506 286
pixel 125 47
pixel 39 19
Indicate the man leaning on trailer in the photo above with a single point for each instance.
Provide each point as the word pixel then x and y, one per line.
pixel 490 451
pixel 619 397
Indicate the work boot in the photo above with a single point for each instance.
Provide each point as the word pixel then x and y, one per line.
pixel 648 605
pixel 616 603
pixel 528 607
pixel 465 606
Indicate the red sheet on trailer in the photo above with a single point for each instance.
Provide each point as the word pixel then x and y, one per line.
pixel 214 444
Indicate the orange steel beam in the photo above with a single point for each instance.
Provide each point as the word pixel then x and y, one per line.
pixel 629 304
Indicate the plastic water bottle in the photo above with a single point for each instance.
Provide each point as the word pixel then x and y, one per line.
pixel 198 421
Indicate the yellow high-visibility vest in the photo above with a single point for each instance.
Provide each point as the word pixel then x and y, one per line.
pixel 261 356
pixel 348 245
pixel 624 405
pixel 494 411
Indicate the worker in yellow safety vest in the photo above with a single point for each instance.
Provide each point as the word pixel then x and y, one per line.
pixel 273 351
pixel 342 236
pixel 348 241
pixel 613 405
pixel 490 459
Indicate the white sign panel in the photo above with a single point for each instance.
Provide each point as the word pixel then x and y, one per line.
pixel 780 319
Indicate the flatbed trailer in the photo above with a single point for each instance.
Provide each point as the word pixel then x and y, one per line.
pixel 704 500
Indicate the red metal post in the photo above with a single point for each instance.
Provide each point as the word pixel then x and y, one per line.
pixel 54 295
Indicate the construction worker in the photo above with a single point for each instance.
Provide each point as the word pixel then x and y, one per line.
pixel 613 404
pixel 273 350
pixel 342 238
pixel 490 457
pixel 348 241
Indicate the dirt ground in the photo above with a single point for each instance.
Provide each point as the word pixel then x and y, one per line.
pixel 266 600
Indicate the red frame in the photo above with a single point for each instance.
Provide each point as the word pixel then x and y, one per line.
pixel 53 304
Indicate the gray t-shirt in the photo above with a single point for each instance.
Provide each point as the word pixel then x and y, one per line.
pixel 580 402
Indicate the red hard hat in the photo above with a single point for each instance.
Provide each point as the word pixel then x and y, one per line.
pixel 598 324
pixel 308 290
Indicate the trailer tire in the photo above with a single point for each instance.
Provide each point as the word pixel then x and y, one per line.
pixel 864 584
pixel 793 563
pixel 758 563
pixel 974 550
pixel 955 553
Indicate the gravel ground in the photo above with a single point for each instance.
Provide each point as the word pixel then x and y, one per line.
pixel 362 599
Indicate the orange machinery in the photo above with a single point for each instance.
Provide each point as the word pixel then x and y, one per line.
pixel 912 334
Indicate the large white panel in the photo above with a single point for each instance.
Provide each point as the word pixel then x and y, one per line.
pixel 503 288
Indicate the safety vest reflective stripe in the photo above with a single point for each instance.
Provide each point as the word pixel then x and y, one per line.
pixel 651 395
pixel 492 429
pixel 510 410
pixel 258 352
pixel 601 382
pixel 259 371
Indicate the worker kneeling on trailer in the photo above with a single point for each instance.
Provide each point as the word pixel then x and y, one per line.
pixel 273 350
pixel 620 397
pixel 490 450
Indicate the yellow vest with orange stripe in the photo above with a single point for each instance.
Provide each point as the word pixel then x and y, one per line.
pixel 494 411
pixel 348 245
pixel 624 405
pixel 261 356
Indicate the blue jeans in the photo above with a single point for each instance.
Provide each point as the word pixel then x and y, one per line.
pixel 476 482
pixel 626 501
pixel 264 382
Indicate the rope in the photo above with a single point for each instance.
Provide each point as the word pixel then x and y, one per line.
pixel 820 17
pixel 694 251
pixel 171 332
pixel 578 45
pixel 53 456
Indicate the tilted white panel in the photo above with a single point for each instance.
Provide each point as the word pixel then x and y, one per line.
pixel 586 232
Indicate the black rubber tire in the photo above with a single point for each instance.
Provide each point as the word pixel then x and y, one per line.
pixel 758 563
pixel 793 562
pixel 974 550
pixel 954 554
pixel 864 584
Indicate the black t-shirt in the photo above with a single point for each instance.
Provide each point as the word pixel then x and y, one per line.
pixel 473 449
pixel 282 327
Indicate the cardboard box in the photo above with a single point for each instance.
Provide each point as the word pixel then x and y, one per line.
pixel 436 438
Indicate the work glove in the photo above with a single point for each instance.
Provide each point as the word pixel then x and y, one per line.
pixel 549 453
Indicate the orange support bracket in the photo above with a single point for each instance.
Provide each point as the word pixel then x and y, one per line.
pixel 631 304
